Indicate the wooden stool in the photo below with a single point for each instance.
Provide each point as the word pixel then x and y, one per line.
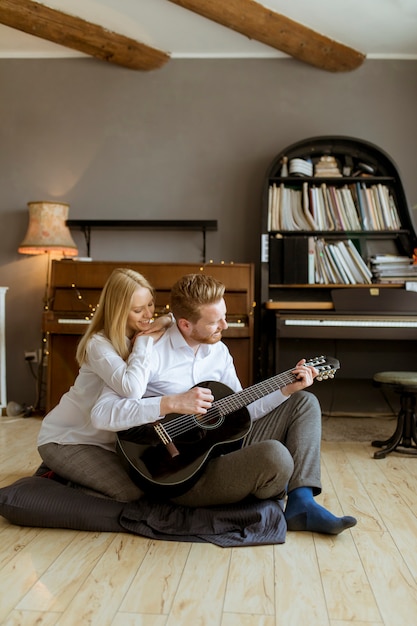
pixel 405 435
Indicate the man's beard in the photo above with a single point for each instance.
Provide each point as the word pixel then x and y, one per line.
pixel 207 339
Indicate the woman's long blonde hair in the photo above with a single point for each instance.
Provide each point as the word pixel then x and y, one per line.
pixel 113 310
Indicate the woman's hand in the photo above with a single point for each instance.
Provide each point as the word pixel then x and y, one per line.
pixel 305 375
pixel 157 327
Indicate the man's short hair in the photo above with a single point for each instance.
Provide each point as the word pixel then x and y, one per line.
pixel 193 291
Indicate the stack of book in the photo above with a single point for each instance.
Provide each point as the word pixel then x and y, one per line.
pixel 327 166
pixel 390 268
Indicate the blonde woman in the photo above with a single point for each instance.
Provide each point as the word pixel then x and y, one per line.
pixel 114 352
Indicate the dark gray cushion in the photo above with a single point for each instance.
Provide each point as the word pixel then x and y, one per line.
pixel 41 502
pixel 37 501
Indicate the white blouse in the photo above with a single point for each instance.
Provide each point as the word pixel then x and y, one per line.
pixel 70 422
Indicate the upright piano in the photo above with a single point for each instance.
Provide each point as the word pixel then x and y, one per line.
pixel 74 292
pixel 368 328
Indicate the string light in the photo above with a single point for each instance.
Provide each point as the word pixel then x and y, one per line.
pixel 80 298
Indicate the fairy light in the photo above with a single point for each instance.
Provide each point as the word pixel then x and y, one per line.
pixel 79 297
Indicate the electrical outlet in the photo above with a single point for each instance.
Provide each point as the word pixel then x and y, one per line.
pixel 31 356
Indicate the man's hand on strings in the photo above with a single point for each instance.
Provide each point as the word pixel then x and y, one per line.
pixel 195 401
pixel 305 375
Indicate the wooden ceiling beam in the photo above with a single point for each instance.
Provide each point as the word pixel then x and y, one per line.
pixel 273 29
pixel 73 32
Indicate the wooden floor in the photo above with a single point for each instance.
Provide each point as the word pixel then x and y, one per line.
pixel 365 576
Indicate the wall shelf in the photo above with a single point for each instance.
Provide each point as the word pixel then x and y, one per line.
pixel 88 225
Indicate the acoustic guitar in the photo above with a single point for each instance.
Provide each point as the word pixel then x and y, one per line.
pixel 166 458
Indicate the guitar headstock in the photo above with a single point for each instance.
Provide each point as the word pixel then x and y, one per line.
pixel 326 366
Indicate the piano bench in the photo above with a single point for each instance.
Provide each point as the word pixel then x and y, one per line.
pixel 404 438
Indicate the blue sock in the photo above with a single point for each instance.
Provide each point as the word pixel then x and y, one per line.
pixel 303 513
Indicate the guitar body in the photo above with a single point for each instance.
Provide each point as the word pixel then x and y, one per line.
pixel 167 457
pixel 150 464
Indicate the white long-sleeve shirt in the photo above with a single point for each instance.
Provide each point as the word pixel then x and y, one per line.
pixel 175 368
pixel 70 421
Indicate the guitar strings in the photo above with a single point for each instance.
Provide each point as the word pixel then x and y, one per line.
pixel 184 423
pixel 231 403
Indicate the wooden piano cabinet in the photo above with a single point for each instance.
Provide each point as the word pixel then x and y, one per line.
pixel 75 290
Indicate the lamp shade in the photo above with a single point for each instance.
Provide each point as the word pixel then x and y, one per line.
pixel 47 230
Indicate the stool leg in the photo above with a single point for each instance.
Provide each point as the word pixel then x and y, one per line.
pixel 390 444
pixel 410 433
pixel 405 434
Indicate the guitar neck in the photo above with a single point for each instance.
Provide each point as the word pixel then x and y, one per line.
pixel 240 399
pixel 325 366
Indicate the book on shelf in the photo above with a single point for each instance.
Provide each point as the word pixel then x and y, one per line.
pixel 318 208
pixel 395 280
pixel 311 264
pixel 334 208
pixel 348 265
pixel 390 259
pixel 321 273
pixel 350 209
pixel 327 208
pixel 356 206
pixel 362 267
pixel 299 217
pixel 363 207
pixel 306 207
pixel 342 274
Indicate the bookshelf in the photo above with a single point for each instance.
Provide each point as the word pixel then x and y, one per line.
pixel 330 205
pixel 300 212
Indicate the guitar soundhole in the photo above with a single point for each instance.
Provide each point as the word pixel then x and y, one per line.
pixel 212 419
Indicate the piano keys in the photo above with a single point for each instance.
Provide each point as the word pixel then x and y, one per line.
pixel 346 326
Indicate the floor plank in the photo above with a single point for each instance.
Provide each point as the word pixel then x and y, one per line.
pixel 156 581
pixel 101 592
pixel 299 594
pixel 200 595
pixel 394 587
pixel 347 591
pixel 254 570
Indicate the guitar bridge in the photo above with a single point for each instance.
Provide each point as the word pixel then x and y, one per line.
pixel 166 440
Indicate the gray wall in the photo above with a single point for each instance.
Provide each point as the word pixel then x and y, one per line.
pixel 190 141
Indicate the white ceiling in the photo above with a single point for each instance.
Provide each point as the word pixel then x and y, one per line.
pixel 377 28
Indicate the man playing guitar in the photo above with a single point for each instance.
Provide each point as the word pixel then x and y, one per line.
pixel 275 454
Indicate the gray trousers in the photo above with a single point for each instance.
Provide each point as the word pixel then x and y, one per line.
pixel 91 467
pixel 281 452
